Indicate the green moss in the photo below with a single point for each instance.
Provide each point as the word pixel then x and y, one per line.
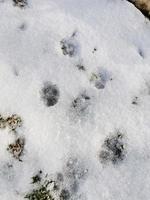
pixel 47 189
pixel 42 193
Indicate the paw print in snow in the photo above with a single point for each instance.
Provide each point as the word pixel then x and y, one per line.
pixel 50 94
pixel 75 173
pixel 113 149
pixel 70 46
pixel 75 169
pixel 20 3
pixel 81 103
pixel 100 79
pixel 80 67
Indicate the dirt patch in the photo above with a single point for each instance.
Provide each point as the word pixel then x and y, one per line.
pixel 143 6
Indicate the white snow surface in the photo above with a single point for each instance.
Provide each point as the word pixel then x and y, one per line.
pixel 31 55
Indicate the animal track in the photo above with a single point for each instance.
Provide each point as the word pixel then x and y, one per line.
pixel 100 79
pixel 50 94
pixel 75 173
pixel 81 67
pixel 113 149
pixel 81 103
pixel 20 3
pixel 70 46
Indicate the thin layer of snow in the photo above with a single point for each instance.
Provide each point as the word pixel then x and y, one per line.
pixel 31 55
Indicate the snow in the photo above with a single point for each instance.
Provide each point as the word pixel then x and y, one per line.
pixel 31 55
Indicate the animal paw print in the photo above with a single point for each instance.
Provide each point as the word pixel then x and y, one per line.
pixel 113 149
pixel 70 46
pixel 50 94
pixel 81 103
pixel 20 3
pixel 100 79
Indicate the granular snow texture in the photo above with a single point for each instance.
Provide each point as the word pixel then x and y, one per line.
pixel 75 100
